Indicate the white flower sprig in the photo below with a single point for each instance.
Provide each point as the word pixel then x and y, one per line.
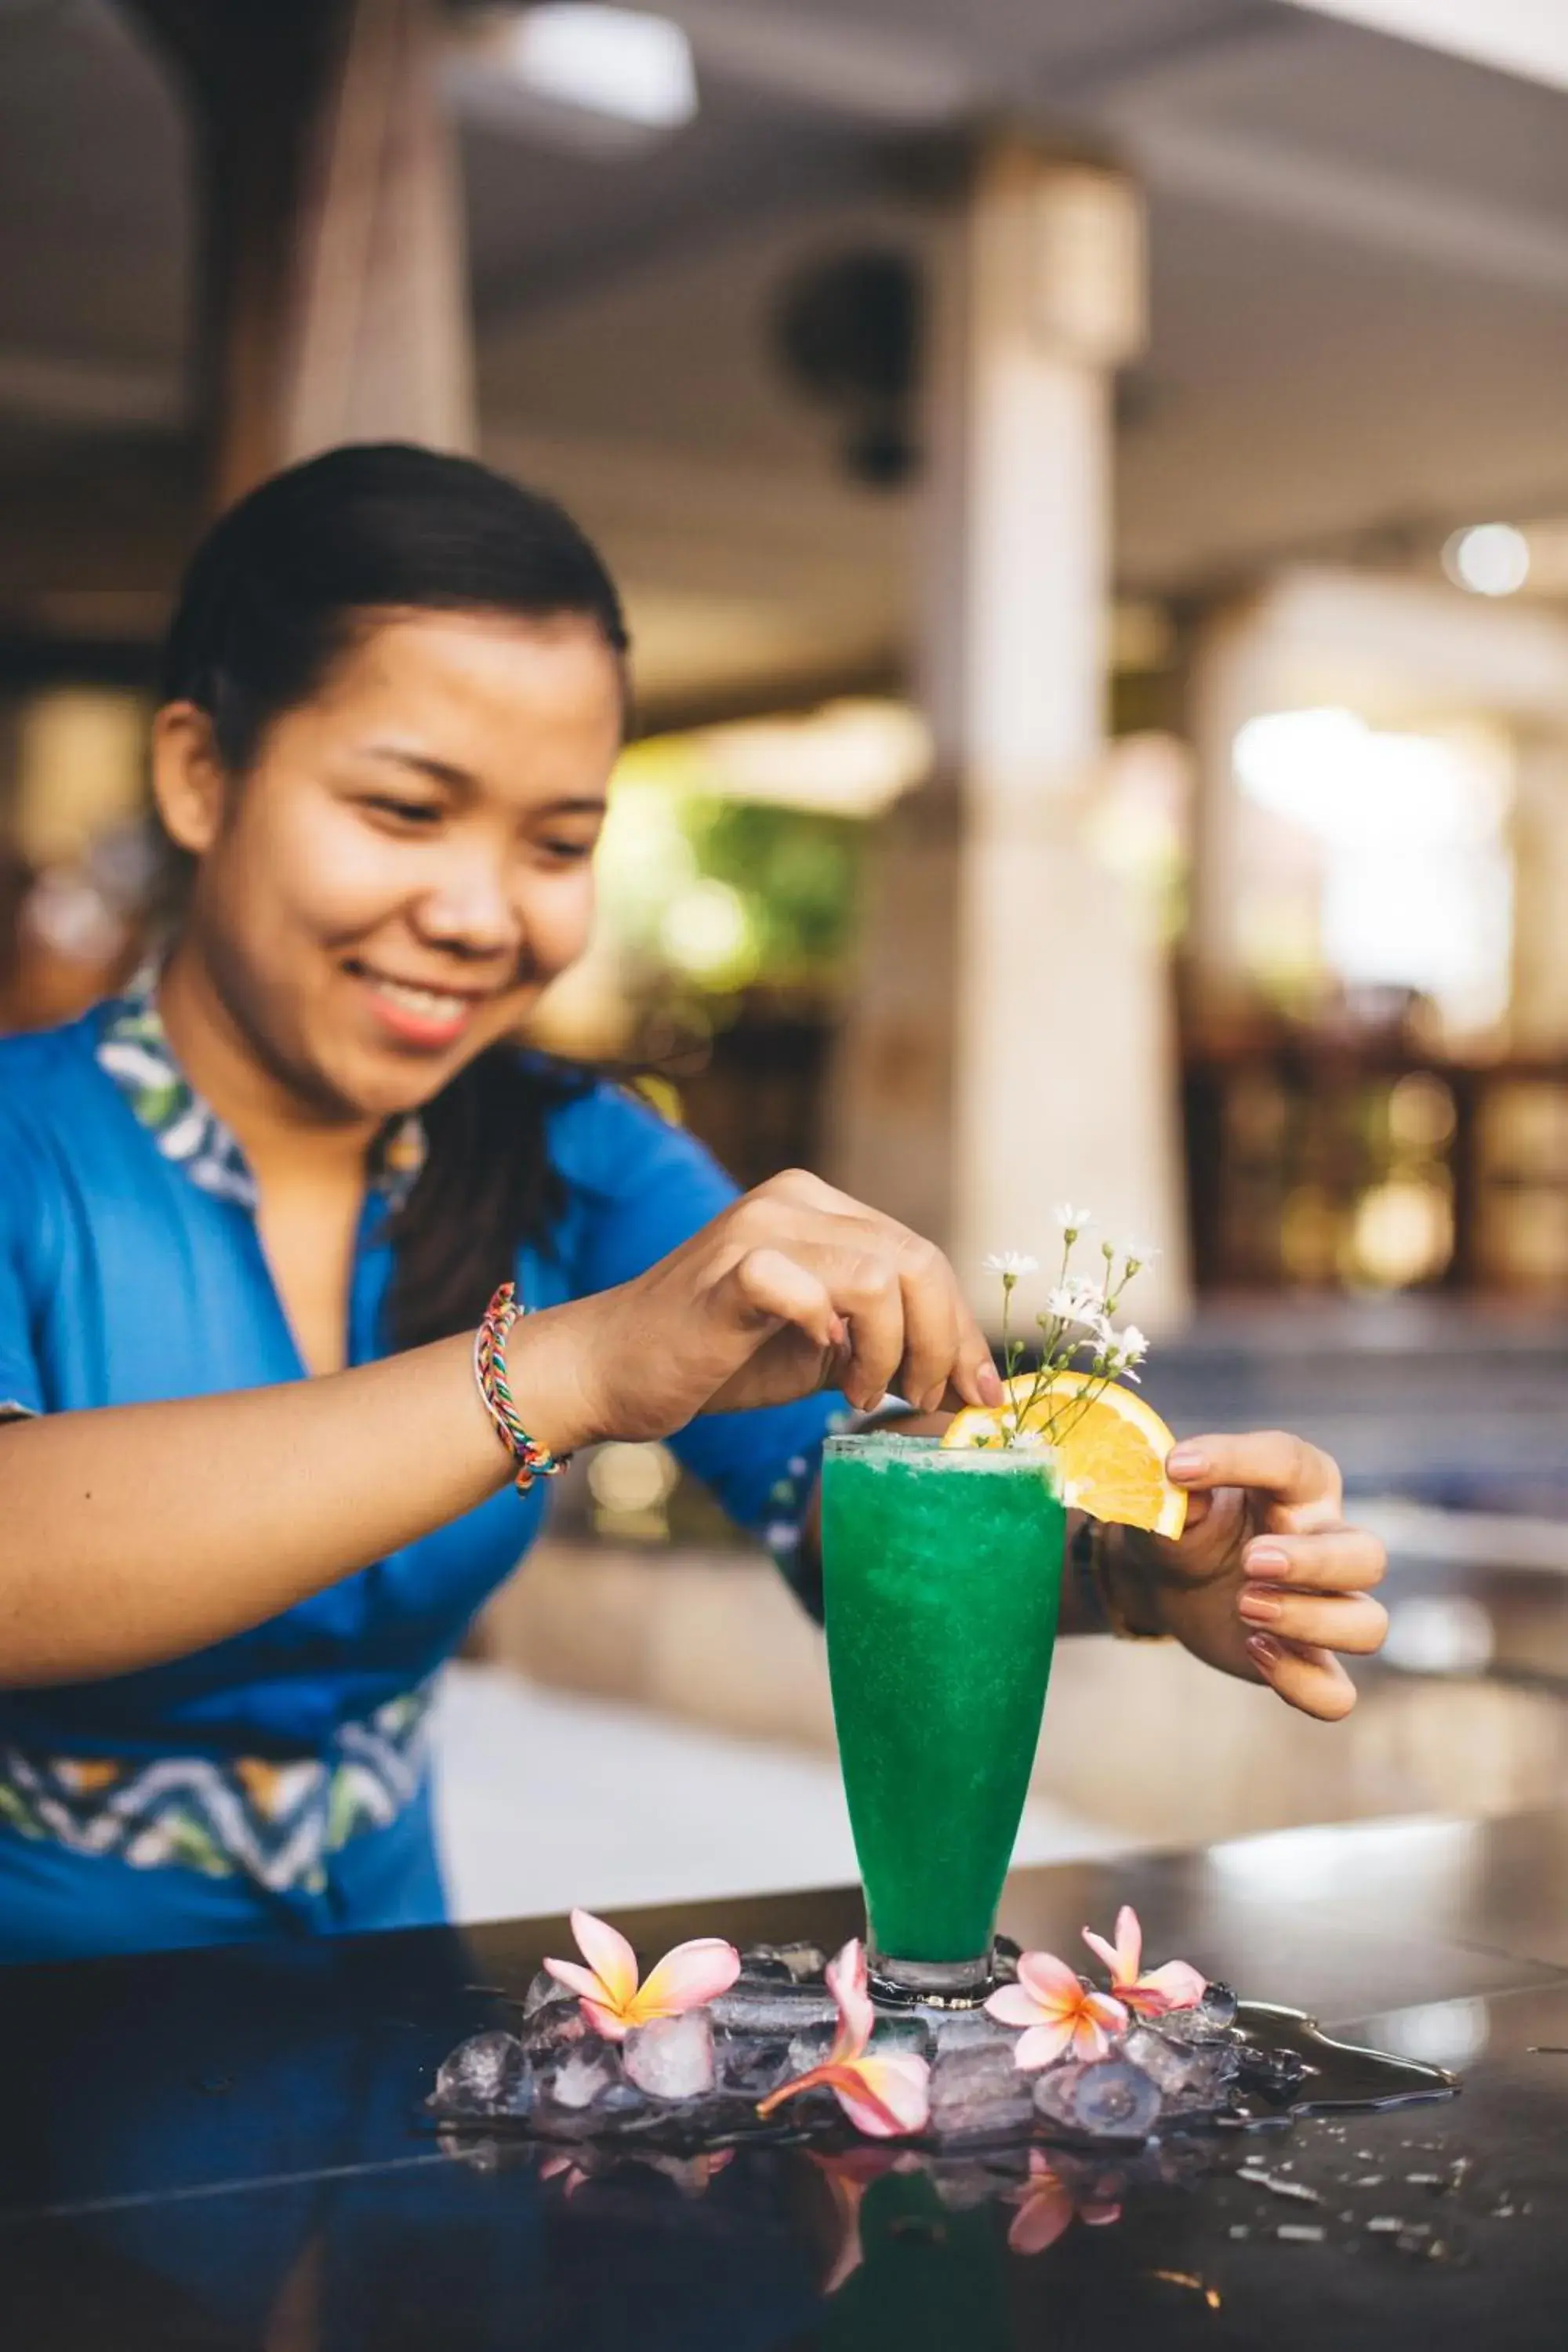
pixel 1077 1332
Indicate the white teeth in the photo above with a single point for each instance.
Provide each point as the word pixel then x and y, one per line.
pixel 435 1005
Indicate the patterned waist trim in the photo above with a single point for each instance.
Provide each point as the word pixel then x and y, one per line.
pixel 276 1824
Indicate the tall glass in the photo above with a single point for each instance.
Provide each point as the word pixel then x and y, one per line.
pixel 943 1574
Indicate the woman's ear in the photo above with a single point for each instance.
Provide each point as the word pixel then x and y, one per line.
pixel 188 777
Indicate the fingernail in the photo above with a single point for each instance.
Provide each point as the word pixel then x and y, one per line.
pixel 838 1331
pixel 1186 1462
pixel 1267 1560
pixel 1264 1649
pixel 1260 1608
pixel 988 1381
pixel 932 1398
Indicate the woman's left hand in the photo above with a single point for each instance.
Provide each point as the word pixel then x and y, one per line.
pixel 1268 1582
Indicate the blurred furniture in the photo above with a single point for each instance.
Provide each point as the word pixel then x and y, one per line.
pixel 1318 1165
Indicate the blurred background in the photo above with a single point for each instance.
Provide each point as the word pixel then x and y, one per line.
pixel 1090 482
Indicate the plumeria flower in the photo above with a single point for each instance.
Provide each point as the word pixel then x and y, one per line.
pixel 1155 1994
pixel 1047 2206
pixel 884 2096
pixel 614 2000
pixel 1011 1264
pixel 1072 1221
pixel 1061 2015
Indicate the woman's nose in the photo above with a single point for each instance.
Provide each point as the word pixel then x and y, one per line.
pixel 470 909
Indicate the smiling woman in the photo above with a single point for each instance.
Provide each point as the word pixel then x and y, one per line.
pixel 310 1275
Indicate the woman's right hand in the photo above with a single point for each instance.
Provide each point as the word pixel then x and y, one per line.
pixel 793 1288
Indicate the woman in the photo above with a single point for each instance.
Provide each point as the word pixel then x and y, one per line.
pixel 253 1212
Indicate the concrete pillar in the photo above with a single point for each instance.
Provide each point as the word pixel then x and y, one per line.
pixel 1229 682
pixel 334 301
pixel 1011 1040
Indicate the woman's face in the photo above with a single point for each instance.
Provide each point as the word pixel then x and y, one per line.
pixel 407 865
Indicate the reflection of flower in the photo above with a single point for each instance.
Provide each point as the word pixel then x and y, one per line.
pixel 884 2095
pixel 567 2170
pixel 1157 1993
pixel 1060 2013
pixel 1047 2206
pixel 849 2173
pixel 612 1998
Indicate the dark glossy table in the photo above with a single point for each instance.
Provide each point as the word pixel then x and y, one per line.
pixel 220 2150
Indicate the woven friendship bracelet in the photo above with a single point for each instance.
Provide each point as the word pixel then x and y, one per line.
pixel 534 1460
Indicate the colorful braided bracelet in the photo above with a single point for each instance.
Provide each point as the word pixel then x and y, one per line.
pixel 534 1460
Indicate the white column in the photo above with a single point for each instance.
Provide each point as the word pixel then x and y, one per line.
pixel 376 344
pixel 1011 1045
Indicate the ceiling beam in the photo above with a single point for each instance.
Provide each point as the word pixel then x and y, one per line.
pixel 1527 38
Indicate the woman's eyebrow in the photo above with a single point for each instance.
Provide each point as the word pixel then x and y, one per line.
pixel 423 763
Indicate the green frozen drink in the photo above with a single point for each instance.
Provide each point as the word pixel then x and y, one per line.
pixel 943 1574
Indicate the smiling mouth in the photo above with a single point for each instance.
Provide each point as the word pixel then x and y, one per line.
pixel 418 1012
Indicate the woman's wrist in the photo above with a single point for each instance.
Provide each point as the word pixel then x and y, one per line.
pixel 1116 1589
pixel 546 1365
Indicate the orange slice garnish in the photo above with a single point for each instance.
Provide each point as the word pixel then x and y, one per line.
pixel 1111 1456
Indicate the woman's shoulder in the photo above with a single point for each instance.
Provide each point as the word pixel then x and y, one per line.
pixel 44 1073
pixel 607 1137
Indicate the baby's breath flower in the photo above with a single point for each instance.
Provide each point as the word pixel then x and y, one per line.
pixel 1124 1350
pixel 1071 1220
pixel 1011 1264
pixel 1140 1254
pixel 1074 1302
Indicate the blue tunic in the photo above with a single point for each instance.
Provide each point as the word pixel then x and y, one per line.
pixel 260 1783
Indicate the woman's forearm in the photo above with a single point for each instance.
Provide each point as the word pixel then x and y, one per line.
pixel 142 1532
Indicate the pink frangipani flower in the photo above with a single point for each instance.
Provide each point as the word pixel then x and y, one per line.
pixel 884 2096
pixel 613 2002
pixel 1157 1993
pixel 1059 2013
pixel 1048 2206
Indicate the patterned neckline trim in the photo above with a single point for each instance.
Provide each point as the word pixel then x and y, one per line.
pixel 133 1050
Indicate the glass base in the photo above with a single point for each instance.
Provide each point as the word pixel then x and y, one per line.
pixel 934 1984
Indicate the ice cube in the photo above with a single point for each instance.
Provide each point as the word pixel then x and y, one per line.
pixel 976 2087
pixel 542 1990
pixel 960 2028
pixel 909 2034
pixel 555 2030
pixel 811 2048
pixel 1107 2099
pixel 1276 2075
pixel 1209 2020
pixel 578 2082
pixel 489 2076
pixel 1191 2078
pixel 772 2008
pixel 797 1963
pixel 672 2058
pixel 750 2066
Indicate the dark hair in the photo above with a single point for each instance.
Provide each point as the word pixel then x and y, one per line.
pixel 274 595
